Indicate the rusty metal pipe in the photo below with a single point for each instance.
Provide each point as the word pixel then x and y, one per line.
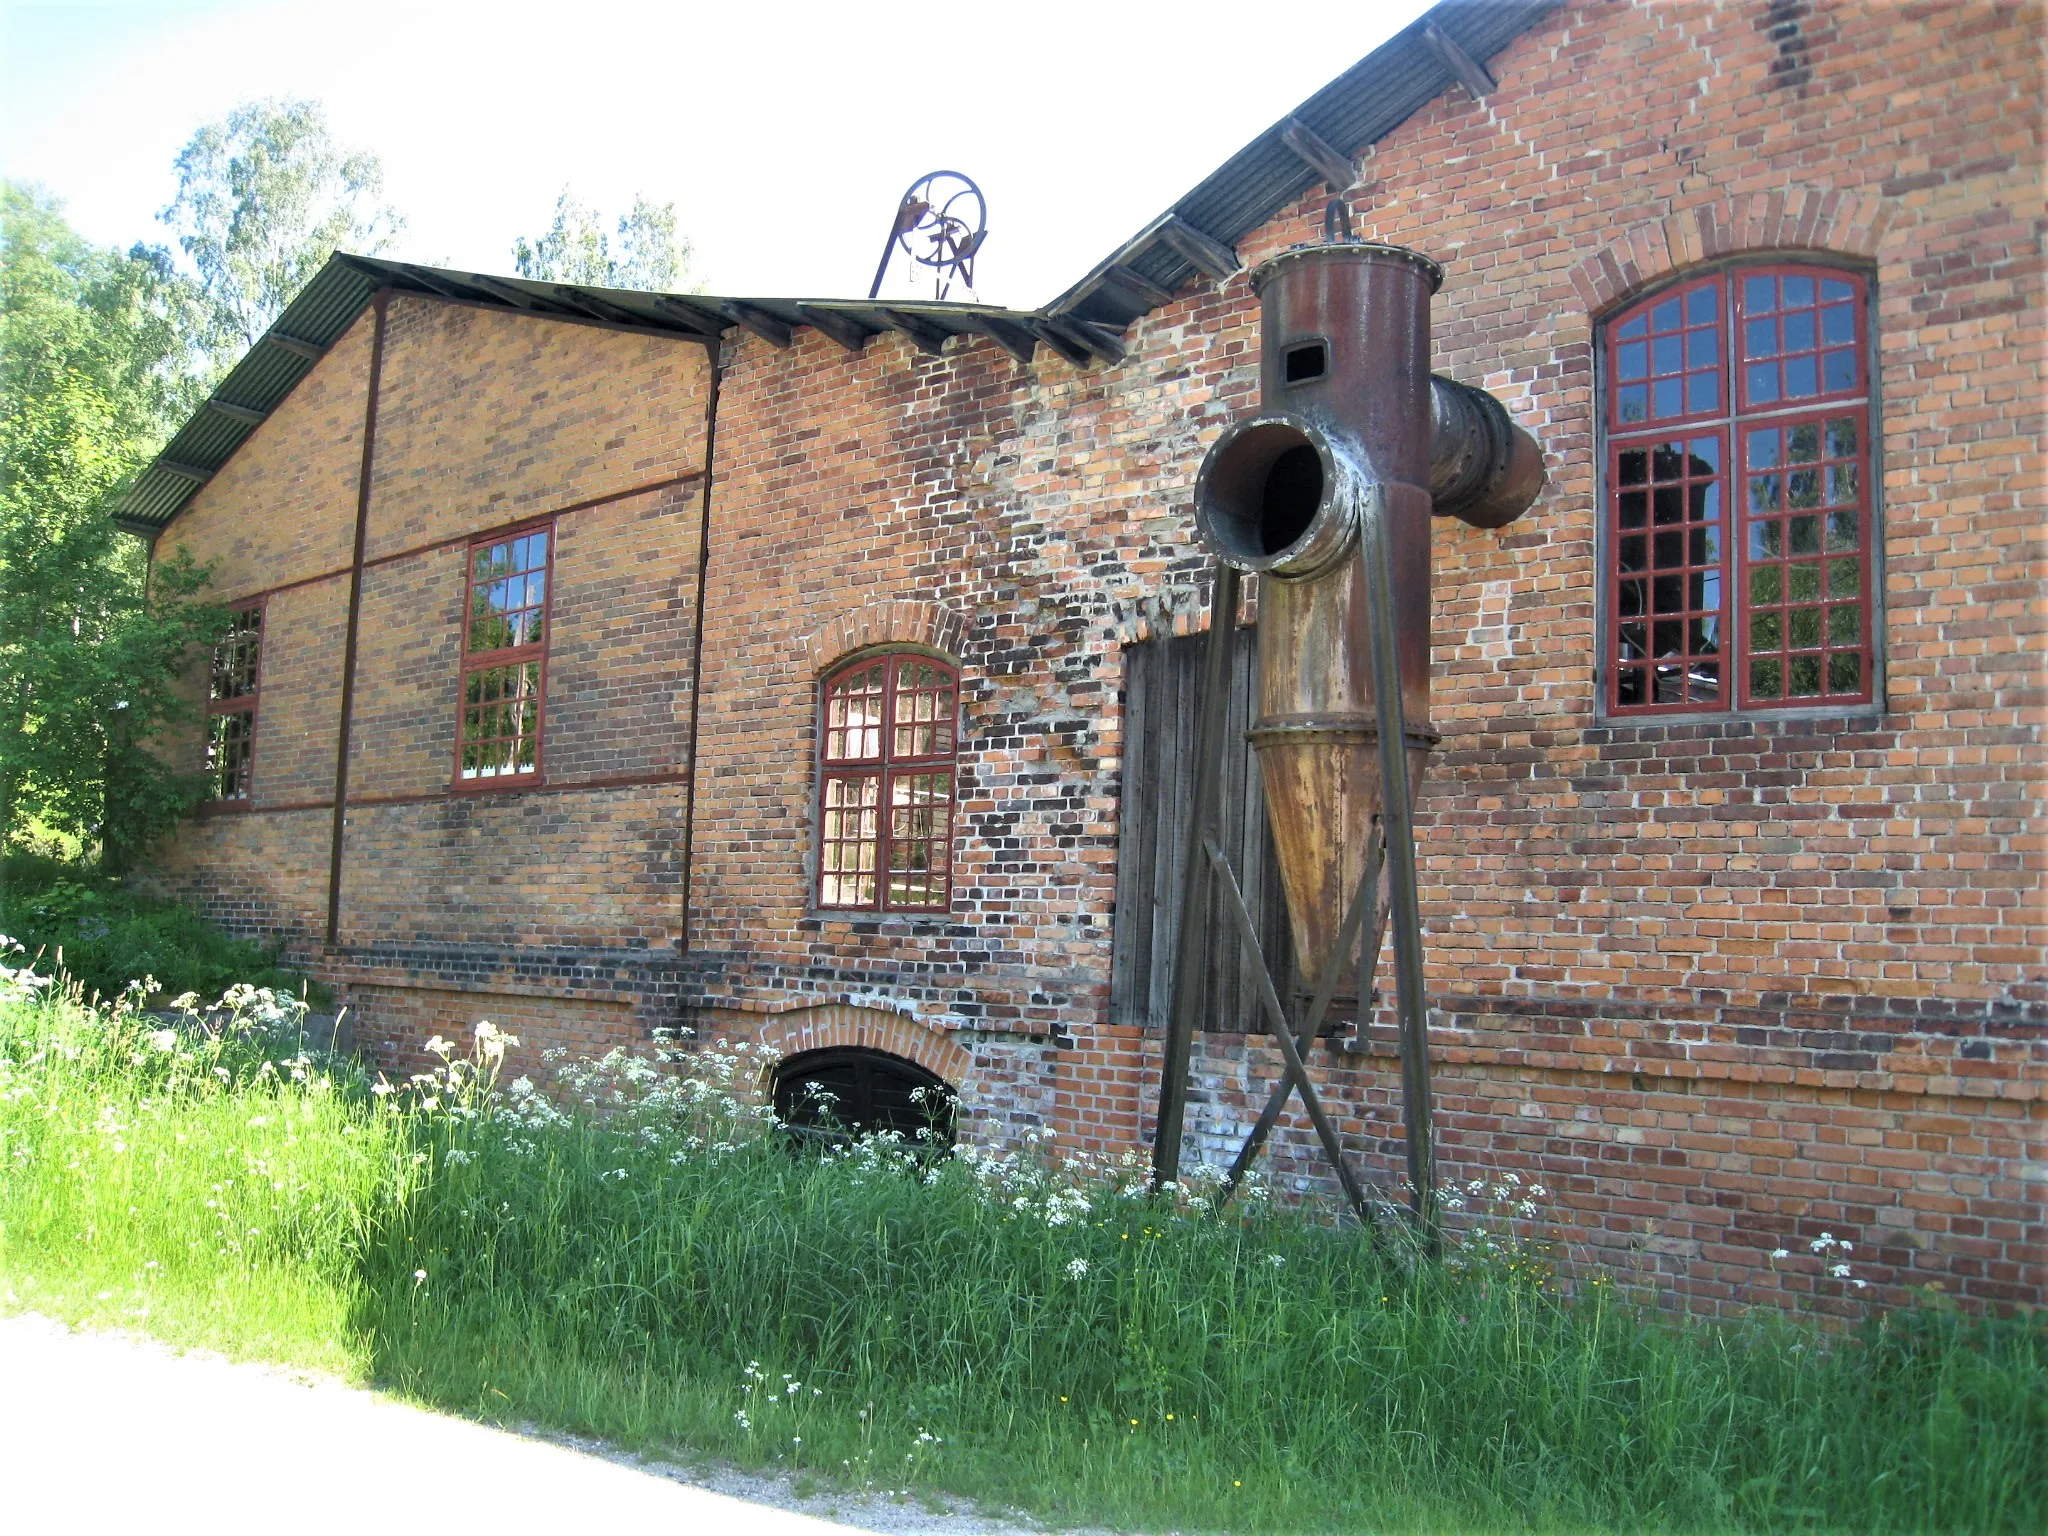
pixel 1483 469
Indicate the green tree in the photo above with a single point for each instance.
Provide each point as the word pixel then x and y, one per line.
pixel 95 369
pixel 648 253
pixel 264 198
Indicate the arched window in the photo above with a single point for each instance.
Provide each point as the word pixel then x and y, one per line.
pixel 1740 539
pixel 851 1091
pixel 887 737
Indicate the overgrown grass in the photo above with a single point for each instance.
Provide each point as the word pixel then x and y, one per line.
pixel 642 1258
pixel 109 934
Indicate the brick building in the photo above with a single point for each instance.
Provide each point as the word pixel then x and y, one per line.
pixel 803 672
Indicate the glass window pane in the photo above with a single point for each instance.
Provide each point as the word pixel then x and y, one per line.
pixel 1803 443
pixel 1838 324
pixel 1845 672
pixel 1802 677
pixel 1766 678
pixel 1804 629
pixel 1767 584
pixel 1798 331
pixel 1702 393
pixel 1801 378
pixel 1841 530
pixel 1803 580
pixel 1842 484
pixel 1633 361
pixel 1635 509
pixel 1845 624
pixel 1703 303
pixel 1797 291
pixel 1763 383
pixel 1639 326
pixel 1845 578
pixel 1759 294
pixel 1665 316
pixel 1634 467
pixel 1668 354
pixel 1839 372
pixel 1667 397
pixel 1760 338
pixel 1634 403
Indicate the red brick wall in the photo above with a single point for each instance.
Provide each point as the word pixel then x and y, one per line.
pixel 1720 987
pixel 483 419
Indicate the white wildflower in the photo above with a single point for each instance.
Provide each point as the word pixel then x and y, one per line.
pixel 1076 1268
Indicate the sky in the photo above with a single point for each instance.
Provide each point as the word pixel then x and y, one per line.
pixel 783 133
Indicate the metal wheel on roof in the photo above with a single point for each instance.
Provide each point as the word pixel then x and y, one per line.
pixel 940 223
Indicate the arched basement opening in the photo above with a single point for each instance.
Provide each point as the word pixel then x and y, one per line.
pixel 846 1091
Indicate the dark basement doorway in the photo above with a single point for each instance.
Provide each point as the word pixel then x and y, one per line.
pixel 836 1094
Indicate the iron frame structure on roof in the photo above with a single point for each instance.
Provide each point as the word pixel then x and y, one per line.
pixel 1445 48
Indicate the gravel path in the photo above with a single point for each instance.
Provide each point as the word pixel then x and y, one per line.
pixel 104 1432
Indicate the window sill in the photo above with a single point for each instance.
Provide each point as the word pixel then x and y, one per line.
pixel 241 807
pixel 1748 722
pixel 505 783
pixel 921 924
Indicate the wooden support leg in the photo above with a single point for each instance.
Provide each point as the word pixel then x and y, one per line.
pixel 1367 897
pixel 1276 1022
pixel 1397 821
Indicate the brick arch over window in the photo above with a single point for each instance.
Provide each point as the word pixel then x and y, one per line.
pixel 903 621
pixel 874 1029
pixel 1845 223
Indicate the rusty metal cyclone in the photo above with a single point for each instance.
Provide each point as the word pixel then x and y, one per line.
pixel 1327 494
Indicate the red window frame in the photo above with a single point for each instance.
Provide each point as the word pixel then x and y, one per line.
pixel 1739 510
pixel 508 588
pixel 888 779
pixel 234 689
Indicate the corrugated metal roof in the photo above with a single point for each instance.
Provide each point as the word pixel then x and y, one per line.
pixel 1362 105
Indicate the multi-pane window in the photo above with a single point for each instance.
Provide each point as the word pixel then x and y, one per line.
pixel 231 705
pixel 504 657
pixel 887 733
pixel 1740 530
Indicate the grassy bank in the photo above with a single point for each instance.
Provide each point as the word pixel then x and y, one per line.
pixel 109 934
pixel 665 1272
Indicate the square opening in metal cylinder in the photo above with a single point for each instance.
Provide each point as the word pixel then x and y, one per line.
pixel 1304 361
